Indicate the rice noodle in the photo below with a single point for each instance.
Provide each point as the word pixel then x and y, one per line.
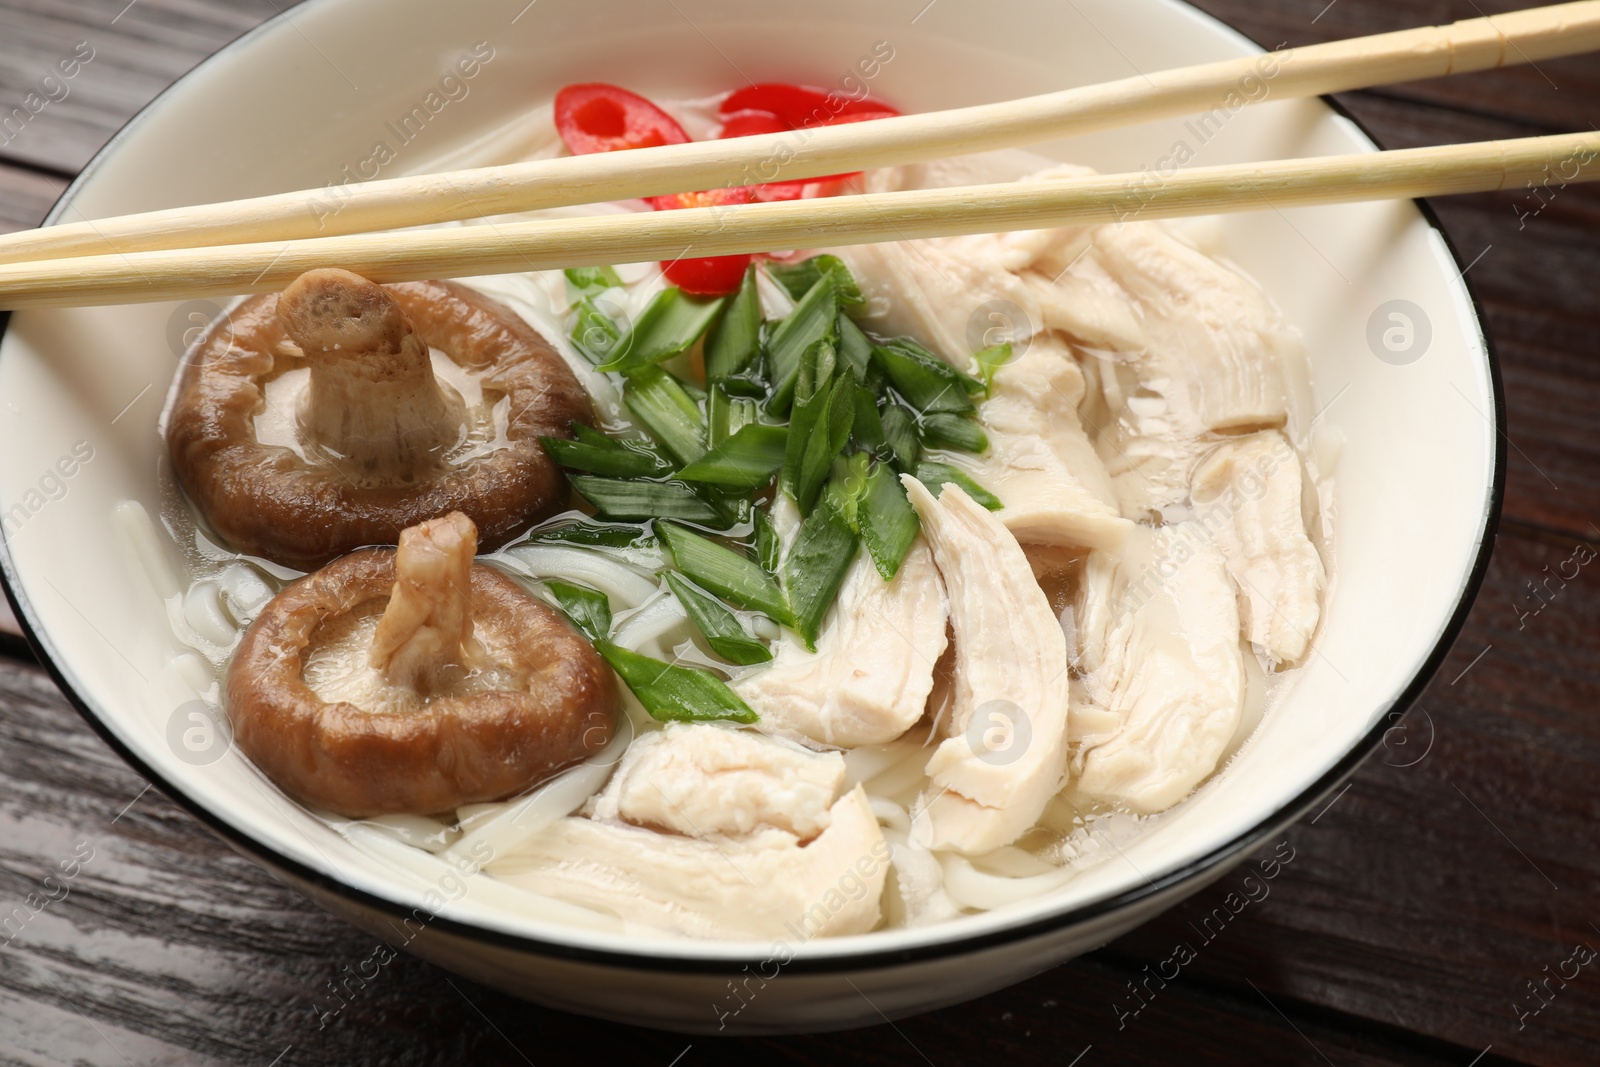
pixel 625 585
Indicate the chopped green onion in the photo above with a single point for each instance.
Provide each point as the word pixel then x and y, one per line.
pixel 744 461
pixel 587 609
pixel 816 370
pixel 736 338
pixel 935 475
pixel 589 281
pixel 669 324
pixel 668 412
pixel 611 459
pixel 868 426
pixel 823 425
pixel 617 499
pixel 594 335
pixel 722 629
pixel 675 694
pixel 815 569
pixel 990 360
pixel 900 432
pixel 768 547
pixel 942 430
pixel 928 383
pixel 798 278
pixel 846 486
pixel 855 348
pixel 731 575
pixel 888 521
pixel 813 319
pixel 726 415
pixel 594 535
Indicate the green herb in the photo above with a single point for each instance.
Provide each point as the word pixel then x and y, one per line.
pixel 590 281
pixel 855 349
pixel 726 415
pixel 822 425
pixel 927 382
pixel 614 498
pixel 799 278
pixel 990 360
pixel 768 547
pixel 594 535
pixel 722 629
pixel 900 433
pixel 744 461
pixel 887 520
pixel 587 609
pixel 735 341
pixel 867 429
pixel 935 475
pixel 816 370
pixel 731 575
pixel 594 335
pixel 667 411
pixel 846 485
pixel 943 430
pixel 815 569
pixel 675 694
pixel 610 459
pixel 813 319
pixel 668 325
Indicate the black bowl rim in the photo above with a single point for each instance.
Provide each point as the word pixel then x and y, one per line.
pixel 869 959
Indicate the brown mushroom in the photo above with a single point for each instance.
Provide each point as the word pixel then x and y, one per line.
pixel 413 680
pixel 318 421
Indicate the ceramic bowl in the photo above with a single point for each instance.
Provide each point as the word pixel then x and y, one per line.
pixel 1403 379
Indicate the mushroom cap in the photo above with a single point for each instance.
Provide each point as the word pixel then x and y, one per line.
pixel 451 751
pixel 267 500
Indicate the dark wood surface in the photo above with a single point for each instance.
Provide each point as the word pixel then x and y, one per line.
pixel 1460 864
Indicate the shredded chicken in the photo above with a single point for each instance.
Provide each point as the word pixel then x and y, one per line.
pixel 1163 671
pixel 1250 492
pixel 782 866
pixel 872 672
pixel 1004 751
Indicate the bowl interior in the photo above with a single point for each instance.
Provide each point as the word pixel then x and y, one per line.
pixel 312 94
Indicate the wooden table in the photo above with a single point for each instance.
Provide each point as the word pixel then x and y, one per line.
pixel 1459 866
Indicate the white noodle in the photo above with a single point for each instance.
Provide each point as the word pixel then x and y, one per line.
pixel 972 888
pixel 625 586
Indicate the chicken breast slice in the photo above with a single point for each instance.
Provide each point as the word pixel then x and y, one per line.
pixel 714 832
pixel 1163 677
pixel 872 672
pixel 1004 751
pixel 1183 346
pixel 1251 493
pixel 701 780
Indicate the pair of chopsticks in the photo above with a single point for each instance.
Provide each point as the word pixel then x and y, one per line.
pixel 261 244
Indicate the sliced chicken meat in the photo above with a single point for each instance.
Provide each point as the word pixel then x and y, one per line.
pixel 872 672
pixel 1250 491
pixel 1005 741
pixel 1163 679
pixel 708 831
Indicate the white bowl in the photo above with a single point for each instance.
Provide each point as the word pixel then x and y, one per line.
pixel 292 103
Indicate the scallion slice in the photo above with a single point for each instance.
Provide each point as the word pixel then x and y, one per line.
pixel 594 535
pixel 798 278
pixel 614 498
pixel 589 281
pixel 594 335
pixel 900 432
pixel 667 411
pixel 671 693
pixel 990 360
pixel 943 430
pixel 669 324
pixel 830 417
pixel 887 520
pixel 769 549
pixel 928 383
pixel 934 475
pixel 722 629
pixel 745 461
pixel 731 575
pixel 587 609
pixel 610 459
pixel 815 569
pixel 735 340
pixel 813 319
pixel 726 415
pixel 855 349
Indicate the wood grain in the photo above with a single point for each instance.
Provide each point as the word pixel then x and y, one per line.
pixel 1403 931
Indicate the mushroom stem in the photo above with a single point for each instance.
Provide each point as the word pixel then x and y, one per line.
pixel 425 635
pixel 374 405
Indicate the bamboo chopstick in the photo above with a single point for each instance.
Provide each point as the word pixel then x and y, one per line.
pixel 795 224
pixel 1474 44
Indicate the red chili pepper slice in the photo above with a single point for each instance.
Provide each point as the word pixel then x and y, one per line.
pixel 596 117
pixel 737 194
pixel 747 122
pixel 709 276
pixel 798 105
